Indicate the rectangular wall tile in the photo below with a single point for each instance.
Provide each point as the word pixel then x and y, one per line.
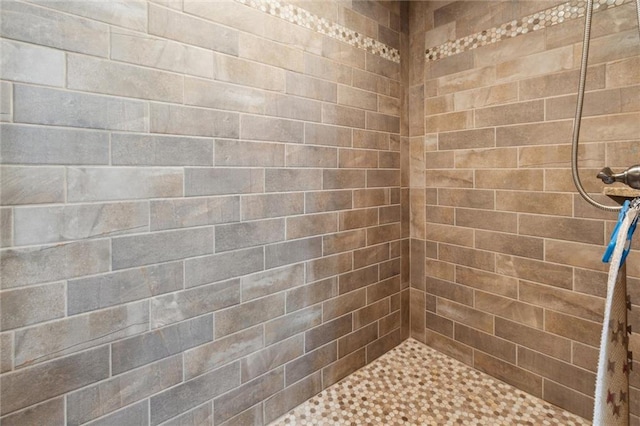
pixel 31 305
pixel 110 395
pixel 292 324
pixel 161 247
pixel 183 213
pixel 106 184
pixel 30 386
pixel 41 225
pixel 27 185
pixel 38 105
pixel 271 357
pixel 310 362
pixel 146 348
pixel 59 30
pixel 271 129
pixel 280 254
pixel 248 314
pixel 145 150
pixel 64 336
pixel 50 145
pixel 180 27
pixel 247 234
pixel 223 96
pixel 22 267
pixel 32 64
pixel 222 181
pixel 102 76
pixel 247 395
pixel 240 153
pixel 271 281
pixel 175 307
pixel 140 49
pixel 193 392
pixel 218 267
pixel 223 351
pixel 191 121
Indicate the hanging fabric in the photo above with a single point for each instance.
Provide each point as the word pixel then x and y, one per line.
pixel 612 381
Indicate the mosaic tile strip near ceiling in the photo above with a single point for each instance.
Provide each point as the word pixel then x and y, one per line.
pixel 304 18
pixel 546 18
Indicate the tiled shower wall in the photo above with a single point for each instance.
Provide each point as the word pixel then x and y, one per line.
pixel 505 256
pixel 201 218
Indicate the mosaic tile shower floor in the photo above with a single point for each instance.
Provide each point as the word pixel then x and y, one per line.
pixel 415 385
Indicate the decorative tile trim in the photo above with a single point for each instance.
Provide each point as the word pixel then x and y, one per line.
pixel 304 18
pixel 567 11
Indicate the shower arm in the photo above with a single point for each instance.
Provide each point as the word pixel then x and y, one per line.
pixel 578 117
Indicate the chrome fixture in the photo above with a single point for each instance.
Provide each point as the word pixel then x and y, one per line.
pixel 631 176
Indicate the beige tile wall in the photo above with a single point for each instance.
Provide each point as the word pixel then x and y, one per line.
pixel 505 257
pixel 201 215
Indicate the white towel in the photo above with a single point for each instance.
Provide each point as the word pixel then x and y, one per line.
pixel 612 381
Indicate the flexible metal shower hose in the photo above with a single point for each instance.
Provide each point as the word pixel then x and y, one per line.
pixel 579 103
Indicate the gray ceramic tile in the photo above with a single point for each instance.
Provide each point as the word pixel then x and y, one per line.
pixel 148 347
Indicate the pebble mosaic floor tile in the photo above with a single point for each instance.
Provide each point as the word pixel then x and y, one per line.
pixel 415 385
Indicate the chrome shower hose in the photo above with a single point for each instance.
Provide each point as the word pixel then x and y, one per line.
pixel 578 117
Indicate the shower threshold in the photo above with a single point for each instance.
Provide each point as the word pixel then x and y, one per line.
pixel 415 385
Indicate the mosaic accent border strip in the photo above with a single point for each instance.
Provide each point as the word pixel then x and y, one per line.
pixel 567 11
pixel 304 18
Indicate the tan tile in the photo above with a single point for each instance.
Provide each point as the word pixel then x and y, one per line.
pixel 449 290
pixel 568 302
pixel 509 373
pixel 510 244
pixel 521 112
pixel 578 230
pixel 534 202
pixel 551 156
pixel 448 178
pixel 561 372
pixel 467 257
pixel 450 347
pixel 545 62
pixel 466 139
pixel 574 254
pixel 328 266
pixel 573 401
pixel 534 270
pixel 360 218
pixel 487 281
pixel 450 234
pixel 560 83
pixel 472 198
pixel 343 304
pixel 383 289
pixel 572 328
pixel 526 180
pixel 465 315
pixel 466 80
pixel 487 343
pixel 534 338
pixel 483 219
pixel 554 132
pixel 510 309
pixel 486 158
pixel 449 121
pixel 357 158
pixel 485 96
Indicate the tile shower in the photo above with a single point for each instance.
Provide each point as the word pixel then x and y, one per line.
pixel 213 210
